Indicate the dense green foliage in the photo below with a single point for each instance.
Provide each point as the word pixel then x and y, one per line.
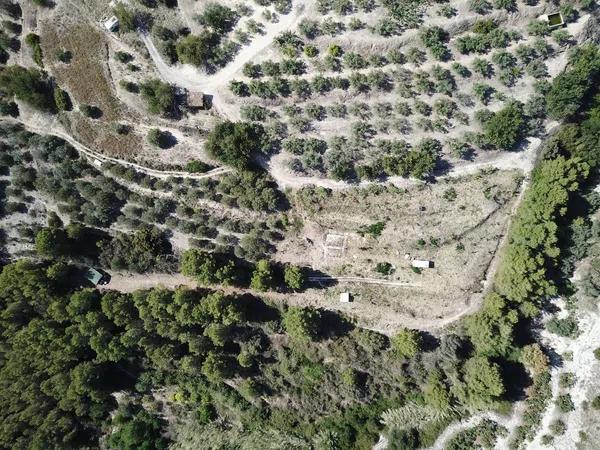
pixel 67 350
pixel 523 273
pixel 159 96
pixel 33 41
pixel 236 143
pixel 506 127
pixel 570 88
pixel 139 431
pixel 27 85
pixel 138 252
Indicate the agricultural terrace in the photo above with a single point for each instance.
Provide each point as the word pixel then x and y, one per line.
pixel 457 224
pixel 346 90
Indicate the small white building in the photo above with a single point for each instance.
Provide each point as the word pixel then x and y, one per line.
pixel 421 264
pixel 345 297
pixel 111 24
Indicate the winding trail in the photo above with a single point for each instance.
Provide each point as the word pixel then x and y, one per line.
pixel 94 155
pixel 189 77
pixel 509 422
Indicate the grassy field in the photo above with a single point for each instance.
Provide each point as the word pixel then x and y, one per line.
pixel 456 223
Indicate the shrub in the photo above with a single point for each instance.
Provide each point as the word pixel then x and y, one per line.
pixel 294 277
pixel 160 138
pixel 566 327
pixel 159 96
pixel 129 86
pixel 218 17
pixel 123 57
pixel 567 380
pixel 301 323
pixel 91 111
pixel 406 343
pixel 558 427
pixel 236 143
pixel 506 127
pixel 509 5
pixel 374 230
pixel 64 56
pixel 384 268
pixel 126 17
pixel 565 403
pixel 434 39
pixel 480 6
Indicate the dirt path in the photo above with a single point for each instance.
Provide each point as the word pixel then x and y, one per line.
pixel 191 78
pixel 509 422
pixel 585 367
pixel 54 130
pixel 129 282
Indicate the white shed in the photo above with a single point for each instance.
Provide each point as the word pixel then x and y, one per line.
pixel 345 297
pixel 111 24
pixel 421 264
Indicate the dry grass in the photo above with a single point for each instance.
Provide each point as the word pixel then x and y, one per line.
pixel 86 77
pixel 461 237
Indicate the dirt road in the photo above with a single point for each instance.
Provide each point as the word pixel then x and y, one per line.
pixel 129 282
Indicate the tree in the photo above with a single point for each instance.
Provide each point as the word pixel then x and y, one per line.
pixel 236 143
pixel 215 367
pixel 565 403
pixel 51 242
pixel 142 431
pixel 483 381
pixel 11 8
pixel 302 323
pixel 534 358
pixel 491 328
pixel 33 41
pixel 61 99
pixel 436 393
pixel 406 343
pixel 159 96
pixel 27 85
pixel 403 439
pixel 569 88
pixel 197 50
pixel 160 138
pixel 262 277
pixel 125 16
pixel 294 277
pixel 506 127
pixel 207 268
pixel 218 17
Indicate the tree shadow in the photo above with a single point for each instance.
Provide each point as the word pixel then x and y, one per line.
pixel 516 380
pixel 333 324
